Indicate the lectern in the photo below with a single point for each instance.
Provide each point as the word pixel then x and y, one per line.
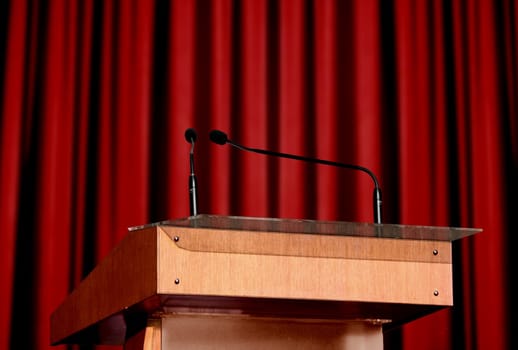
pixel 229 282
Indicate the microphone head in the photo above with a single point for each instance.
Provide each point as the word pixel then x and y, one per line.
pixel 218 137
pixel 190 135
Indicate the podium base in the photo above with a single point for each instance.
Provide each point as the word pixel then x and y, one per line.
pixel 232 332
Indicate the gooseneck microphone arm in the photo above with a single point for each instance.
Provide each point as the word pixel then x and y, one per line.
pixel 190 136
pixel 221 138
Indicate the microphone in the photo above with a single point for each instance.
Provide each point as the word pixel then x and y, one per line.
pixel 220 138
pixel 190 136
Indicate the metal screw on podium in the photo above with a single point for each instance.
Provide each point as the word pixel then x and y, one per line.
pixel 435 252
pixel 436 292
pixel 177 281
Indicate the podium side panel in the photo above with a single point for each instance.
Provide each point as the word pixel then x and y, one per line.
pixel 126 276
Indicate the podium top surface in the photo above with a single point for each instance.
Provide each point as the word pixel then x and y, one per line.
pixel 340 228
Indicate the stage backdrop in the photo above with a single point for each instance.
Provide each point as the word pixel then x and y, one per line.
pixel 96 97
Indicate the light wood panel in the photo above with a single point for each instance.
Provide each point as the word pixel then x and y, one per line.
pixel 224 332
pixel 269 269
pixel 310 245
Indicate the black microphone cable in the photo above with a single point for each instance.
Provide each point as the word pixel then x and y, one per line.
pixel 220 138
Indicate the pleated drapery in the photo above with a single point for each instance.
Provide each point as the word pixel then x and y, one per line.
pixel 96 97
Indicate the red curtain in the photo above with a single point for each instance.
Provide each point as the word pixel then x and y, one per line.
pixel 96 96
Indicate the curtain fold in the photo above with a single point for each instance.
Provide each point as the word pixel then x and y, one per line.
pixel 96 97
pixel 486 169
pixel 223 80
pixel 325 104
pixel 11 151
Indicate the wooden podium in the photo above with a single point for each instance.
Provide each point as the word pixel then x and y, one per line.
pixel 220 282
